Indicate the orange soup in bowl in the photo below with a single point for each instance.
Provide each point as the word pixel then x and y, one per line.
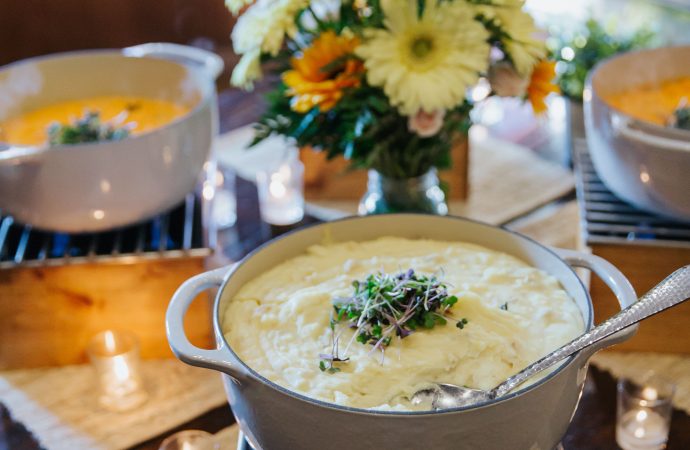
pixel 652 103
pixel 139 114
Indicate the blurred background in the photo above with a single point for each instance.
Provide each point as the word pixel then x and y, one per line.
pixel 37 27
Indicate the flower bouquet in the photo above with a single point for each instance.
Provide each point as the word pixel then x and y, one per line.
pixel 384 83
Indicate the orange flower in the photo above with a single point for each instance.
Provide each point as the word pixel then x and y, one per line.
pixel 314 82
pixel 541 85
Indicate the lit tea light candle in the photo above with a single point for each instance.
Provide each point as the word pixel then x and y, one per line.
pixel 115 358
pixel 644 414
pixel 281 193
pixel 642 429
pixel 190 440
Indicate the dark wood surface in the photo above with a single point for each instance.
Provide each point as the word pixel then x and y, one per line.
pixel 38 27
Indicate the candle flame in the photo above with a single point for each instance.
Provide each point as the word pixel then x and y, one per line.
pixel 277 188
pixel 121 368
pixel 208 190
pixel 649 393
pixel 109 338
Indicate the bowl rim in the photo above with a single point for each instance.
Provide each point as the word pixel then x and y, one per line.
pixel 643 124
pixel 558 368
pixel 205 97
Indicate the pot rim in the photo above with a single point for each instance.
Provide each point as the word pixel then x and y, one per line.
pixel 652 127
pixel 206 96
pixel 589 321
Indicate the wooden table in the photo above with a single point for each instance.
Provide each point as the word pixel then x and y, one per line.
pixel 593 426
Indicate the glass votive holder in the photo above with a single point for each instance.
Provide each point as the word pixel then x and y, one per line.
pixel 219 194
pixel 643 415
pixel 189 440
pixel 115 358
pixel 281 192
pixel 225 200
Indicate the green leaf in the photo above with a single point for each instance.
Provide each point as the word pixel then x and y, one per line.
pixel 439 320
pixel 306 122
pixel 429 321
pixel 461 323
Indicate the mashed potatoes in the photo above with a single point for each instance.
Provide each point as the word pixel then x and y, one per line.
pixel 279 322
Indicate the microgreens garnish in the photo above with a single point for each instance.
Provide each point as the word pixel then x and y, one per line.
pixel 682 118
pixel 328 360
pixel 461 323
pixel 88 128
pixel 385 306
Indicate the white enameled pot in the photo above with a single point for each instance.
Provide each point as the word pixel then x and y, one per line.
pixel 97 186
pixel 644 164
pixel 274 418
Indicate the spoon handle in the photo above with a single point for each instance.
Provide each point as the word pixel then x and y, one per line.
pixel 673 290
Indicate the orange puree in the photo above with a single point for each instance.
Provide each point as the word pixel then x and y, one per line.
pixel 143 113
pixel 652 103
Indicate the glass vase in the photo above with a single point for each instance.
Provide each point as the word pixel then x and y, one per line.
pixel 390 195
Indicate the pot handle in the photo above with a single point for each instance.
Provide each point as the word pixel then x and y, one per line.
pixel 217 359
pixel 209 62
pixel 15 155
pixel 614 279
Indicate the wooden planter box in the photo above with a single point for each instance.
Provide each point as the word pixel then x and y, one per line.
pixel 332 180
pixel 645 266
pixel 48 314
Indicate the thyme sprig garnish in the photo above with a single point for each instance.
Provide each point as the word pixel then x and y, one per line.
pixel 89 128
pixel 385 306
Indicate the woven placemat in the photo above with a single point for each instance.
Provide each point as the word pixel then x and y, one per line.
pixel 636 366
pixel 58 405
pixel 556 225
pixel 227 438
pixel 506 180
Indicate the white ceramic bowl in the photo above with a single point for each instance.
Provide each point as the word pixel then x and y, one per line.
pixel 642 163
pixel 98 186
pixel 272 417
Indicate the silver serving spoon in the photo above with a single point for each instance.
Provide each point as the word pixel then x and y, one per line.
pixel 675 289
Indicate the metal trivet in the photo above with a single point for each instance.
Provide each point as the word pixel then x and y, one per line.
pixel 606 219
pixel 176 233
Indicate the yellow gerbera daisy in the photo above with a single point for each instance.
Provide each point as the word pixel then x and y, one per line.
pixel 235 6
pixel 261 29
pixel 247 70
pixel 425 62
pixel 264 25
pixel 310 85
pixel 541 85
pixel 519 41
pixel 522 46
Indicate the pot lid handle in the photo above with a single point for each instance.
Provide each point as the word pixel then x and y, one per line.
pixel 613 278
pixel 208 62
